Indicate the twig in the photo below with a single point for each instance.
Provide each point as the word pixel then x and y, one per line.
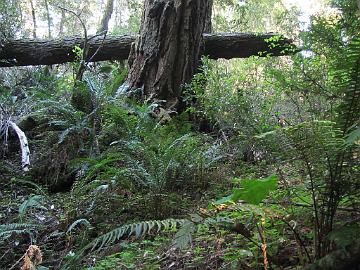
pixel 98 49
pixel 299 238
pixel 82 67
pixel 77 15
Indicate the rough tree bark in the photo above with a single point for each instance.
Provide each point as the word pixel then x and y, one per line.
pixel 168 50
pixel 57 51
pixel 104 23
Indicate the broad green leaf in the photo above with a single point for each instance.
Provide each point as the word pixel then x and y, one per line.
pixel 252 190
pixel 224 200
pixel 255 190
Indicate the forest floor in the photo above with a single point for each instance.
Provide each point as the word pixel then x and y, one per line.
pixel 217 245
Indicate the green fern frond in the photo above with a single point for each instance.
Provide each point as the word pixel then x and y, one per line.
pixel 347 79
pixel 36 201
pixel 77 222
pixel 8 230
pixel 138 230
pixel 353 137
pixel 183 236
pixel 217 220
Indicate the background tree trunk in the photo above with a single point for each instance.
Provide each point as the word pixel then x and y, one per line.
pixel 104 23
pixel 48 17
pixel 169 48
pixel 33 18
pixel 62 22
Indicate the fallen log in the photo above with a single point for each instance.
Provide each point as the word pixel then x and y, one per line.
pixel 25 52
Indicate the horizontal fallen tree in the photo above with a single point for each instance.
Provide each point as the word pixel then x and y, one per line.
pixel 25 52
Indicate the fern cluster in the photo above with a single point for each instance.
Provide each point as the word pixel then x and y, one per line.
pixel 346 73
pixel 327 151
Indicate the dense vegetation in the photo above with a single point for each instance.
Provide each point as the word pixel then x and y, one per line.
pixel 259 170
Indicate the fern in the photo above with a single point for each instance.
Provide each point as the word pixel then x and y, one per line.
pixel 8 230
pixel 77 222
pixel 347 80
pixel 138 230
pixel 326 168
pixel 353 137
pixel 35 201
pixel 183 236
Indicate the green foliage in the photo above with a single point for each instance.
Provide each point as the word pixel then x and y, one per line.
pixel 10 12
pixel 139 229
pixel 346 75
pixel 242 16
pixel 120 76
pixel 36 201
pixel 345 236
pixel 253 191
pixel 232 97
pixel 183 236
pixel 295 116
pixel 139 154
pixel 319 146
pixel 353 137
pixel 17 229
pixel 78 222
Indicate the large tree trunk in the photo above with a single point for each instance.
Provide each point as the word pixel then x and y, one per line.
pixel 168 50
pixel 27 52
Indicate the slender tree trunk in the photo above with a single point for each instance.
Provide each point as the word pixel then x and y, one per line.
pixel 33 18
pixel 48 17
pixel 104 23
pixel 62 21
pixel 118 14
pixel 167 53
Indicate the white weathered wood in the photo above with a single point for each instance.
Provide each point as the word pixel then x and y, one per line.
pixel 25 150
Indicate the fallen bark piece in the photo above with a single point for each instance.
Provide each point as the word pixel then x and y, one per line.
pixel 24 145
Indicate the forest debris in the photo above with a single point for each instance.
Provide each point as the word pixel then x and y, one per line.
pixel 25 151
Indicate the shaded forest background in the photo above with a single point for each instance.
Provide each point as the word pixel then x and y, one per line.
pixel 259 169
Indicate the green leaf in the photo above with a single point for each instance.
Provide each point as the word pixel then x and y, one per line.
pixel 255 190
pixel 224 200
